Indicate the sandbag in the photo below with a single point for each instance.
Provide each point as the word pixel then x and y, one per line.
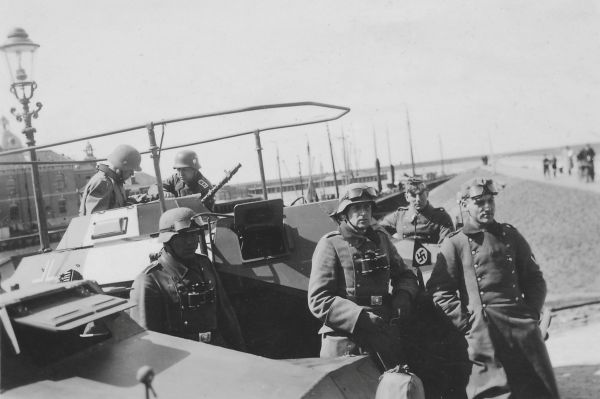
pixel 399 383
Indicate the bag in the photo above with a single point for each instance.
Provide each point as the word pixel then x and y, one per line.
pixel 399 383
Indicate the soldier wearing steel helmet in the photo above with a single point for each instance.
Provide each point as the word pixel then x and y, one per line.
pixel 187 180
pixel 105 189
pixel 419 219
pixel 180 293
pixel 489 285
pixel 359 285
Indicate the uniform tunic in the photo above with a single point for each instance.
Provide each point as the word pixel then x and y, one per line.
pixel 489 285
pixel 103 191
pixel 337 292
pixel 163 303
pixel 432 224
pixel 176 186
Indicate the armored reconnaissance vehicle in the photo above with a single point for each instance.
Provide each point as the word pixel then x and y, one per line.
pixel 262 251
pixel 46 353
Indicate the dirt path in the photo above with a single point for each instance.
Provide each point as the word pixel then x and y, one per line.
pixel 575 355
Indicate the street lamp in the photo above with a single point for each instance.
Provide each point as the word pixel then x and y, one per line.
pixel 19 51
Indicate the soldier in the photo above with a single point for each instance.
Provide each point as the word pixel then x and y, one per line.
pixel 419 218
pixel 488 284
pixel 349 288
pixel 187 180
pixel 180 293
pixel 105 189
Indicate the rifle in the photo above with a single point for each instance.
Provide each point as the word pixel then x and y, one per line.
pixel 228 175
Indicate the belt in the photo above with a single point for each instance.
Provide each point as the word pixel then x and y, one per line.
pixel 369 300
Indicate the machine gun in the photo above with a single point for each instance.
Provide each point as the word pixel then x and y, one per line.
pixel 214 189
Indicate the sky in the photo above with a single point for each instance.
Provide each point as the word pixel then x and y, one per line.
pixel 474 77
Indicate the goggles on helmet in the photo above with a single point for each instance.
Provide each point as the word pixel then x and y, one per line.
pixel 182 227
pixel 357 193
pixel 479 188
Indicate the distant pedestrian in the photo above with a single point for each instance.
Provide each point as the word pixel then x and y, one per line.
pixel 546 164
pixel 553 162
pixel 582 164
pixel 590 154
pixel 569 164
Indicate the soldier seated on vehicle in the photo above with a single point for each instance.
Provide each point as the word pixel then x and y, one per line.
pixel 105 189
pixel 180 293
pixel 419 219
pixel 352 271
pixel 186 181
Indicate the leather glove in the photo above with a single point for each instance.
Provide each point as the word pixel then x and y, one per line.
pixel 402 304
pixel 369 322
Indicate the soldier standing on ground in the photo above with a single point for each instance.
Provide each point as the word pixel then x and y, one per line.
pixel 589 155
pixel 187 180
pixel 105 189
pixel 487 282
pixel 353 269
pixel 180 293
pixel 432 224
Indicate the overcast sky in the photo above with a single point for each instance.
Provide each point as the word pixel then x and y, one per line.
pixel 507 74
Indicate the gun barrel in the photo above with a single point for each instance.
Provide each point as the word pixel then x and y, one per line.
pixel 218 186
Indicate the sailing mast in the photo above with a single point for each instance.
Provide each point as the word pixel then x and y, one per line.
pixel 392 171
pixel 337 190
pixel 377 164
pixel 412 157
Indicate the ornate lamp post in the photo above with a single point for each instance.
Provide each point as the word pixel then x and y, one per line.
pixel 19 51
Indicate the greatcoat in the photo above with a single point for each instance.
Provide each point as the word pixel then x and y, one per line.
pixel 432 224
pixel 487 282
pixel 338 291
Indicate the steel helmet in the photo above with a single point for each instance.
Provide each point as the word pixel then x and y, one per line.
pixel 125 157
pixel 175 221
pixel 186 159
pixel 355 193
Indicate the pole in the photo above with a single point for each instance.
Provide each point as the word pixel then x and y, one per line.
pixel 29 132
pixel 345 157
pixel 441 154
pixel 279 171
pixel 412 157
pixel 377 164
pixel 392 172
pixel 337 190
pixel 260 164
pixel 300 174
pixel 155 155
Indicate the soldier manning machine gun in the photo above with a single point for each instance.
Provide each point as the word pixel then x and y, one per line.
pixel 228 175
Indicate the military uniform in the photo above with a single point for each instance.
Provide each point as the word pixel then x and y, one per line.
pixel 343 283
pixel 176 186
pixel 187 301
pixel 103 191
pixel 489 285
pixel 432 224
